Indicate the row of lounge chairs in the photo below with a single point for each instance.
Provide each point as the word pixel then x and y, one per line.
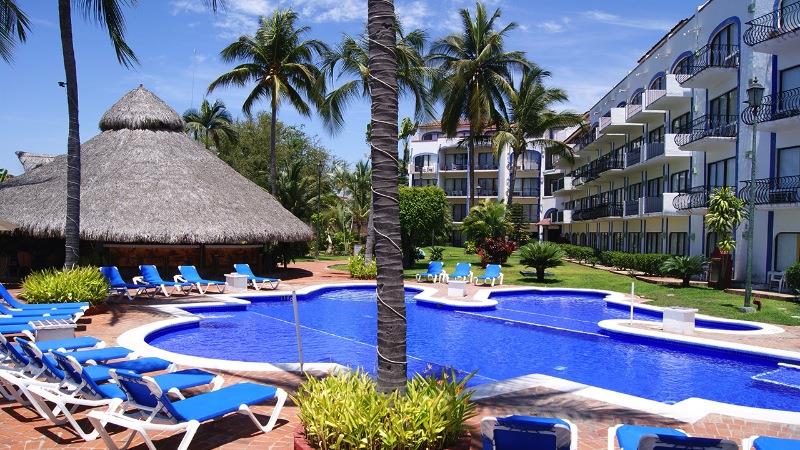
pixel 15 316
pixel 143 395
pixel 544 433
pixel 436 273
pixel 151 283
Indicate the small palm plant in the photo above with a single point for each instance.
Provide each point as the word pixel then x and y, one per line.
pixel 541 255
pixel 725 212
pixel 684 267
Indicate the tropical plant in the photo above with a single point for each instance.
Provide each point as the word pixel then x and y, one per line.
pixel 486 220
pixel 14 26
pixel 210 123
pixel 530 117
pixel 3 175
pixel 683 267
pixel 725 212
pixel 793 277
pixel 345 411
pixel 79 284
pixel 361 270
pixel 473 72
pixel 383 90
pixel 282 67
pixel 424 217
pixel 519 224
pixel 470 248
pixel 541 255
pixel 579 253
pixel 436 253
pixel 407 130
pixel 297 191
pixel 496 250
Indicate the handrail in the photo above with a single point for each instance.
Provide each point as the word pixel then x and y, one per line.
pixel 708 126
pixel 774 107
pixel 770 191
pixel 779 22
pixel 654 149
pixel 611 209
pixel 633 156
pixel 652 95
pixel 653 205
pixel 530 192
pixel 696 197
pixel 632 109
pixel 632 207
pixel 719 55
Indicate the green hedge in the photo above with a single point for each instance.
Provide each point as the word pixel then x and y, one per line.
pixel 793 277
pixel 578 252
pixel 649 263
pixel 82 284
pixel 360 270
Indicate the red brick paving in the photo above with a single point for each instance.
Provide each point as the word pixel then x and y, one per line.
pixel 20 428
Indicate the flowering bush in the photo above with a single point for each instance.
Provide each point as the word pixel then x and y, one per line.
pixel 496 250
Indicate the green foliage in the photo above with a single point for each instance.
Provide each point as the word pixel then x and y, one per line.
pixel 81 284
pixel 361 271
pixel 648 263
pixel 496 250
pixel 577 252
pixel 210 124
pixel 541 255
pixel 518 224
pixel 3 175
pixel 725 212
pixel 344 411
pixel 436 253
pixel 424 217
pixel 470 248
pixel 487 219
pixel 793 277
pixel 683 267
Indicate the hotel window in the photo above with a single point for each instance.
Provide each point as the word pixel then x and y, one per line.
pixel 722 173
pixel 677 243
pixel 722 46
pixel 633 243
pixel 789 162
pixel 459 211
pixel 790 79
pixel 679 182
pixel 681 124
pixel 684 66
pixel 455 186
pixel 652 242
pixel 656 135
pixel 486 161
pixel 787 250
pixel 634 191
pixel 574 238
pixel 458 238
pixel 526 187
pixel 583 239
pixel 593 240
pixel 637 99
pixel 617 195
pixel 456 161
pixel 654 187
pixel 487 186
pixel 723 109
pixel 711 243
pixel 530 213
pixel 617 241
pixel 657 84
pixel 424 182
pixel 604 241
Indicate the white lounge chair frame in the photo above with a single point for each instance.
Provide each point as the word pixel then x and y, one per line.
pixel 272 284
pixel 220 287
pixel 495 279
pixel 163 288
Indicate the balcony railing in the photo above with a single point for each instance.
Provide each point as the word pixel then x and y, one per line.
pixel 486 166
pixel 632 109
pixel 653 205
pixel 652 95
pixel 696 197
pixel 529 192
pixel 586 139
pixel 632 207
pixel 594 169
pixel 453 166
pixel 424 169
pixel 708 126
pixel 775 24
pixel 769 191
pixel 724 56
pixel 654 149
pixel 633 156
pixel 557 185
pixel 420 183
pixel 774 107
pixel 455 192
pixel 604 122
pixel 485 192
pixel 599 211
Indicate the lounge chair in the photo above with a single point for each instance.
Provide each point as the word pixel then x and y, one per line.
pixel 244 269
pixel 191 275
pixel 434 273
pixel 184 415
pixel 25 320
pixel 518 432
pixel 118 285
pixel 15 328
pixel 150 276
pixel 463 272
pixel 492 273
pixel 40 313
pixel 15 304
pixel 769 443
pixel 640 437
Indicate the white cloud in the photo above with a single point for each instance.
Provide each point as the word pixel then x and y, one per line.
pixel 613 19
pixel 414 14
pixel 555 26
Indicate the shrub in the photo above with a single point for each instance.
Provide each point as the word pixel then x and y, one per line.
pixel 541 255
pixel 437 253
pixel 470 248
pixel 361 271
pixel 577 252
pixel 793 277
pixel 496 250
pixel 81 284
pixel 345 411
pixel 649 263
pixel 683 267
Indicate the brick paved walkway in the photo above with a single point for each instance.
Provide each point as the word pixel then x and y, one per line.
pixel 20 428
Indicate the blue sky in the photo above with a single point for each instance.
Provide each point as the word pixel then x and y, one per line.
pixel 588 45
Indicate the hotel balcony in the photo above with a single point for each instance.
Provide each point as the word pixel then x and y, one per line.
pixel 532 192
pixel 710 66
pixel 708 133
pixel 659 152
pixel 616 123
pixel 773 191
pixel 592 171
pixel 453 167
pixel 562 217
pixel 598 212
pixel 632 208
pixel 422 183
pixel 423 169
pixel 455 193
pixel 480 191
pixel 642 114
pixel 586 140
pixel 486 166
pixel 695 198
pixel 563 185
pixel 674 96
pixel 776 32
pixel 779 112
pixel 663 204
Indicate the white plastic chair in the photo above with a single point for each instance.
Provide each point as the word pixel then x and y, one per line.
pixel 777 277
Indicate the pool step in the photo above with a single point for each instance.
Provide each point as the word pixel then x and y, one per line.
pixel 786 375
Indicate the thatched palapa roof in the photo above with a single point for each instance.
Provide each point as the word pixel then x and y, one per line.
pixel 145 181
pixel 31 161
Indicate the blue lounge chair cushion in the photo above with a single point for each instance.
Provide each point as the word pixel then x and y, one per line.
pixel 190 274
pixel 492 271
pixel 523 433
pixel 462 270
pixel 25 320
pixel 686 443
pixel 14 303
pixel 13 328
pixel 100 354
pixel 215 404
pixel 15 351
pixel 68 344
pixel 434 268
pixel 35 313
pixel 152 277
pixel 244 269
pixel 773 443
pixel 182 379
pixel 628 436
pixel 141 365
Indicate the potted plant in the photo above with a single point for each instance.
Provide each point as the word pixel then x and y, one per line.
pixel 725 212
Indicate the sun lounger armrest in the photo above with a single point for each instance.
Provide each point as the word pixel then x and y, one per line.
pixel 179 279
pixel 138 280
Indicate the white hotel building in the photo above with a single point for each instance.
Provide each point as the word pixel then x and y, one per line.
pixel 676 127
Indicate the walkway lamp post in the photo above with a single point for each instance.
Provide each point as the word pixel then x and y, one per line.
pixel 755 95
pixel 319 199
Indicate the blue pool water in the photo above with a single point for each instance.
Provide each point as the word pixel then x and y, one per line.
pixel 552 333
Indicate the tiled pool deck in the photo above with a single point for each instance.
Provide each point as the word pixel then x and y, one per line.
pixel 22 429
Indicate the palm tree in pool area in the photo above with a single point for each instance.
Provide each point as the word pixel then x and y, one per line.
pixel 14 27
pixel 383 84
pixel 210 123
pixel 408 128
pixel 473 71
pixel 531 116
pixel 281 64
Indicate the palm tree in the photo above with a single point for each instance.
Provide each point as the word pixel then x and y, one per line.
pixel 14 26
pixel 486 220
pixel 531 115
pixel 210 123
pixel 473 74
pixel 383 70
pixel 282 66
pixel 407 129
pixel 684 267
pixel 296 190
pixel 541 255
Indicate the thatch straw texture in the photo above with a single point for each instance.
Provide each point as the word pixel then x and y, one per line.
pixel 144 185
pixel 31 161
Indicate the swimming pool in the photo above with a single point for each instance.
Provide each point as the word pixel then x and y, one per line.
pixel 547 332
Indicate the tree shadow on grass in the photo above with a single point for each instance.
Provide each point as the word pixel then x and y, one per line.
pixel 534 280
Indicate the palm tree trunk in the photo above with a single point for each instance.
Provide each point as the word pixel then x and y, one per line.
pixel 73 220
pixel 470 172
pixel 273 169
pixel 512 176
pixel 369 247
pixel 392 364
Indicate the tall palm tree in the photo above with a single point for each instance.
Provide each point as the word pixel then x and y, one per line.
pixel 407 129
pixel 210 123
pixel 296 190
pixel 14 26
pixel 383 71
pixel 531 115
pixel 473 71
pixel 282 66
